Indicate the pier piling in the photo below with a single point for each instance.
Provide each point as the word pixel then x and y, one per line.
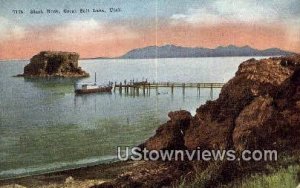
pixel 211 92
pixel 133 88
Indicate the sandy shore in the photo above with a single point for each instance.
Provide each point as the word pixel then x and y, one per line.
pixel 82 177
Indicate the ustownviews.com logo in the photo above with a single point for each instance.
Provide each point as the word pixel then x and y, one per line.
pixel 137 153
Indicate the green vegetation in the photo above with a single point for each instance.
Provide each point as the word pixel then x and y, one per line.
pixel 284 177
pixel 285 173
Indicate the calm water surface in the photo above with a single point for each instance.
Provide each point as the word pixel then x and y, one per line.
pixel 45 127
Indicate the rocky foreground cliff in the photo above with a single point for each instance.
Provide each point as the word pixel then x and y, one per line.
pixel 54 64
pixel 257 109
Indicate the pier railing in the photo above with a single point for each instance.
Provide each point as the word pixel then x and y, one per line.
pixel 133 88
pixel 170 84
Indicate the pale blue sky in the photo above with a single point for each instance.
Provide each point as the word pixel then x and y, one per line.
pixel 146 9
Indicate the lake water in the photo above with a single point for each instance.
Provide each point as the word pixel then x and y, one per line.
pixel 45 127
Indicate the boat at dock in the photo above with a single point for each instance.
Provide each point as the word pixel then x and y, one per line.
pixel 87 88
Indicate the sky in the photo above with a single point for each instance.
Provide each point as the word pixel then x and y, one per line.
pixel 139 23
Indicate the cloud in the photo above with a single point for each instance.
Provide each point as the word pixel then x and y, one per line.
pixel 10 30
pixel 89 37
pixel 233 11
pixel 90 30
pixel 200 15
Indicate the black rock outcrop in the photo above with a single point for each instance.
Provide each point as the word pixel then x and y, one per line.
pixel 54 64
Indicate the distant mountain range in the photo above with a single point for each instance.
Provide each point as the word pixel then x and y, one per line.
pixel 172 51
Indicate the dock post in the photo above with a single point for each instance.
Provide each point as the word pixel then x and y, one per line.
pixel 137 90
pixel 183 88
pixel 133 90
pixel 115 87
pixel 148 90
pixel 120 88
pixel 144 87
pixel 125 87
pixel 172 89
pixel 211 92
pixel 130 88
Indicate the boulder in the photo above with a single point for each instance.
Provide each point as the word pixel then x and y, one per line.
pixel 251 128
pixel 170 135
pixel 272 122
pixel 54 64
pixel 245 101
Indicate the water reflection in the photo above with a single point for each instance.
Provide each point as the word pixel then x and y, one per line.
pixel 52 84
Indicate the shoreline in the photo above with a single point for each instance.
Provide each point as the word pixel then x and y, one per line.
pixel 42 170
pixel 98 172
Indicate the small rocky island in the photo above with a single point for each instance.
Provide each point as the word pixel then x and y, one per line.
pixel 54 64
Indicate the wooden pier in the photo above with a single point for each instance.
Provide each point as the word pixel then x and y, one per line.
pixel 133 88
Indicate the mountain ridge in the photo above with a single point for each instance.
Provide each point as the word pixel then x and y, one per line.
pixel 174 51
